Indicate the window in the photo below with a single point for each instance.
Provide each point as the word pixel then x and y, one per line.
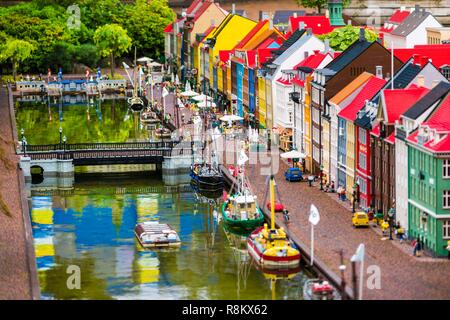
pixel 362 161
pixel 446 168
pixel 315 95
pixel 316 115
pixel 316 153
pixel 446 229
pixel 446 199
pixel 362 186
pixel 362 136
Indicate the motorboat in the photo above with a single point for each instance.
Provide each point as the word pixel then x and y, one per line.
pixel 207 178
pixel 316 289
pixel 149 117
pixel 163 133
pixel 152 234
pixel 271 247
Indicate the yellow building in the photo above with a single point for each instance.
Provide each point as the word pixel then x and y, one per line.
pixel 437 35
pixel 262 101
pixel 196 47
pixel 232 30
pixel 307 123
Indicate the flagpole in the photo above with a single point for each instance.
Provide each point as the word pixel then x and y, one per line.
pixel 361 278
pixel 312 244
pixel 392 65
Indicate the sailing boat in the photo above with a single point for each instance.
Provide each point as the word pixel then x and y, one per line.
pixel 241 209
pixel 135 102
pixel 206 177
pixel 271 248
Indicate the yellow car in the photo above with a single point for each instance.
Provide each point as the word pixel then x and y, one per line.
pixel 360 219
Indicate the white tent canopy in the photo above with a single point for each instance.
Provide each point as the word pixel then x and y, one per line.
pixel 189 93
pixel 293 154
pixel 230 117
pixel 144 59
pixel 202 97
pixel 206 104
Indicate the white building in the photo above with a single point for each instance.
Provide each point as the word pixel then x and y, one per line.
pixel 411 31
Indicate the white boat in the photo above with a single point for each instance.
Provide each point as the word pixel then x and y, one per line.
pixel 152 234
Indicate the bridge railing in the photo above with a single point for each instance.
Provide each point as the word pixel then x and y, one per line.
pixel 102 146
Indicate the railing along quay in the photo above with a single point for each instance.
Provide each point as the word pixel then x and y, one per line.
pixel 102 146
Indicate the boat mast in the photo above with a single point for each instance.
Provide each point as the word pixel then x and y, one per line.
pixel 272 204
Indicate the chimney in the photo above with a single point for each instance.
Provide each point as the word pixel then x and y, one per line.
pixel 327 14
pixel 349 22
pixel 295 14
pixel 416 59
pixel 362 36
pixel 301 25
pixel 309 31
pixel 411 10
pixel 423 61
pixel 316 51
pixel 244 14
pixel 420 81
pixel 233 8
pixel 327 45
pixel 417 7
pixel 213 23
pixel 402 8
pixel 270 22
pixel 306 54
pixel 379 72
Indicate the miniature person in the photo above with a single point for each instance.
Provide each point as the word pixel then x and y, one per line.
pixel 332 187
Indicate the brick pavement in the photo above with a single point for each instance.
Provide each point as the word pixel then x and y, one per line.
pixel 17 280
pixel 402 275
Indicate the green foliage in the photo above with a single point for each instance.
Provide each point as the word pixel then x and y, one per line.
pixel 16 51
pixel 111 39
pixel 342 38
pixel 44 24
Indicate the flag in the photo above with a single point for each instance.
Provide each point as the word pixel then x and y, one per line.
pixel 188 86
pixel 165 93
pixel 99 73
pixel 125 65
pixel 177 80
pixel 359 254
pixel 314 216
pixel 87 73
pixel 49 73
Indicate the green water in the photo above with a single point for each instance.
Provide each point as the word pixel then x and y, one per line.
pixel 92 227
pixel 100 121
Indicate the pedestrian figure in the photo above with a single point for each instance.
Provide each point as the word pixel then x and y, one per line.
pixel 332 187
pixel 448 249
pixel 414 245
pixel 310 180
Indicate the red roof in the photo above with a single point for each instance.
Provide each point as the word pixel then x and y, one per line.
pixel 286 82
pixel 201 10
pixel 440 119
pixel 251 58
pixel 438 53
pixel 312 61
pixel 251 34
pixel 169 28
pixel 397 101
pixel 391 138
pixel 264 55
pixel 350 112
pixel 318 24
pixel 399 16
pixel 224 55
pixel 298 82
pixel 195 4
pixel 375 131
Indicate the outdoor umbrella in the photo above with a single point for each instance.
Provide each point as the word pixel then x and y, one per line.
pixel 202 97
pixel 189 93
pixel 145 59
pixel 206 104
pixel 230 117
pixel 293 154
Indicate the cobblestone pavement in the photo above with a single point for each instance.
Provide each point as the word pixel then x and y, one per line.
pixel 14 276
pixel 402 275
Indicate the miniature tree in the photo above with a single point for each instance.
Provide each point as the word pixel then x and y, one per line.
pixel 112 40
pixel 16 51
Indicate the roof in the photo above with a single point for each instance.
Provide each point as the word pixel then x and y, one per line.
pixel 411 22
pixel 434 95
pixel 440 118
pixel 312 61
pixel 283 81
pixel 397 17
pixel 391 138
pixel 291 50
pixel 398 101
pixel 282 16
pixel 438 53
pixel 439 121
pixel 251 34
pixel 194 5
pixel 350 88
pixel 347 56
pixel 169 28
pixel 318 24
pixel 371 87
pixel 289 42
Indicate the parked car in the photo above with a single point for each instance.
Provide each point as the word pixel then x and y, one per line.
pixel 360 219
pixel 293 174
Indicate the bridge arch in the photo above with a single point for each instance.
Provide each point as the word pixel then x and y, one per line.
pixel 37 174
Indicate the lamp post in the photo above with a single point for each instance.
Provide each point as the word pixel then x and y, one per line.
pixel 60 135
pixel 64 139
pixel 22 132
pixel 24 145
pixel 354 198
pixel 321 176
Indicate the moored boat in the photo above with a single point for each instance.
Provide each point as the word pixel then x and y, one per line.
pixel 149 117
pixel 271 248
pixel 316 289
pixel 163 133
pixel 152 234
pixel 206 178
pixel 241 211
pixel 136 103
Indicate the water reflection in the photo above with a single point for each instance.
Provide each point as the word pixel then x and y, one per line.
pixel 93 227
pixel 82 120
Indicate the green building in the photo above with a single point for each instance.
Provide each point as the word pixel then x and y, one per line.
pixel 335 12
pixel 429 180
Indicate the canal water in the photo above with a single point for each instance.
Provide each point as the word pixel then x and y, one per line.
pixel 90 226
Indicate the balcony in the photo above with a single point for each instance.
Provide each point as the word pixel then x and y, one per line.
pixel 400 133
pixel 295 96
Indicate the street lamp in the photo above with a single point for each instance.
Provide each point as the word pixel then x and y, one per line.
pixel 60 134
pixel 22 132
pixel 24 145
pixel 321 176
pixel 64 141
